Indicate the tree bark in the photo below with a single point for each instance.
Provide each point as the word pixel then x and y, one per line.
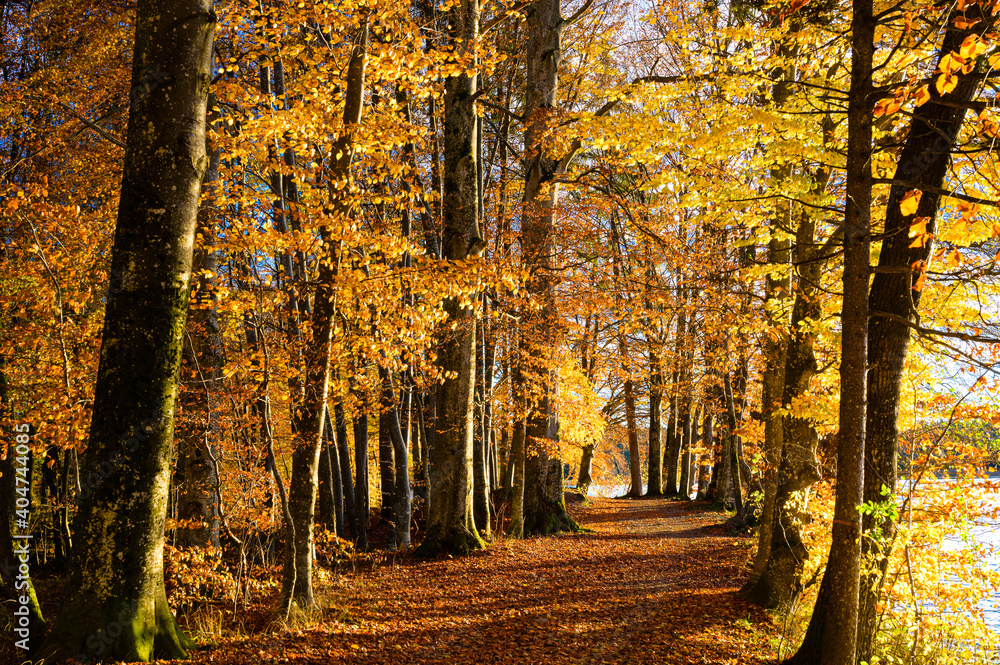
pixel 690 434
pixel 634 461
pixel 331 485
pixel 655 461
pixel 772 380
pixel 734 447
pixel 517 462
pixel 341 450
pixel 362 502
pixel 586 476
pixel 544 505
pixel 450 525
pixel 832 632
pixel 386 464
pixel 116 569
pixel 777 291
pixel 708 443
pixel 309 419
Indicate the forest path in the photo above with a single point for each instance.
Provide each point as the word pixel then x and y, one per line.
pixel 653 582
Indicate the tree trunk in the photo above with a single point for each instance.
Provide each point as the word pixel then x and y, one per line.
pixel 734 447
pixel 386 466
pixel 450 525
pixel 517 463
pixel 362 502
pixel 490 348
pixel 402 500
pixel 331 485
pixel 196 474
pixel 115 578
pixel 421 481
pixel 725 488
pixel 772 380
pixel 585 479
pixel 780 580
pixel 832 632
pixel 309 420
pixel 544 506
pixel 708 443
pixel 341 450
pixel 480 445
pixel 678 403
pixel 690 434
pixel 634 461
pixel 924 162
pixel 655 465
pixel 777 291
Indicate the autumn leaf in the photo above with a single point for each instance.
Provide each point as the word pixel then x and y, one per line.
pixel 950 63
pixel 911 200
pixel 945 83
pixel 919 226
pixel 921 95
pixel 972 47
pixel 954 259
pixel 918 231
pixel 886 107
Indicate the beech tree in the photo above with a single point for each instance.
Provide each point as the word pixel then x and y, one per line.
pixel 522 236
pixel 115 605
pixel 450 524
pixel 896 287
pixel 833 627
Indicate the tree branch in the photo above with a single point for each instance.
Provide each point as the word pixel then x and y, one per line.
pixel 921 330
pixel 937 190
pixel 580 13
pixel 97 128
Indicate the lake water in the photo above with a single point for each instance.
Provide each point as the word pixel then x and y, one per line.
pixel 986 532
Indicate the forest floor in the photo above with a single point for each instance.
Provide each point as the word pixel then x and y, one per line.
pixel 652 581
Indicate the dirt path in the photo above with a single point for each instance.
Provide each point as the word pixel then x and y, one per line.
pixel 653 582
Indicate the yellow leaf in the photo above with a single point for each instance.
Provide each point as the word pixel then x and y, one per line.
pixel 922 95
pixel 919 227
pixel 994 60
pixel 950 62
pixel 972 47
pixel 911 200
pixel 946 83
pixel 954 259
